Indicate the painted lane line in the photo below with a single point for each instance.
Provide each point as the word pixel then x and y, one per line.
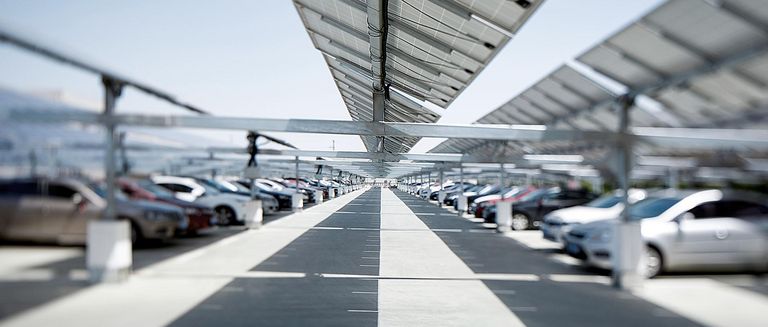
pixel 372 245
pixel 371 266
pixel 371 251
pixel 363 311
pixel 361 292
pixel 504 292
pixel 370 258
pixel 328 228
pixel 446 230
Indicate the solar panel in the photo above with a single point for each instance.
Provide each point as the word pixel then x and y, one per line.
pixel 434 50
pixel 704 62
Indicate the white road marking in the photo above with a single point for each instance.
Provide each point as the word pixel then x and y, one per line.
pixel 363 311
pixel 360 292
pixel 436 288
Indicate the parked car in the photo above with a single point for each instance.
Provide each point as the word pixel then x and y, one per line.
pixel 307 192
pixel 482 191
pixel 454 195
pixel 685 230
pixel 284 198
pixel 228 207
pixel 608 206
pixel 58 210
pixel 199 216
pixel 529 211
pixel 269 204
pixel 512 195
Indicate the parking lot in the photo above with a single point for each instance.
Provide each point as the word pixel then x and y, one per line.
pixel 349 262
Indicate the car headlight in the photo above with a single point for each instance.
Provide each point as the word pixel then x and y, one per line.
pixel 600 235
pixel 152 215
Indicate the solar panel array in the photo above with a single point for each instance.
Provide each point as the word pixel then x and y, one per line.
pixel 434 50
pixel 705 63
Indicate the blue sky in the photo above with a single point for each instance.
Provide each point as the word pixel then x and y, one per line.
pixel 255 59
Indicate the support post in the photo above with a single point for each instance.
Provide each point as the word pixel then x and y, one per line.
pixel 297 200
pixel 441 193
pixel 503 208
pixel 627 240
pixel 108 246
pixel 461 204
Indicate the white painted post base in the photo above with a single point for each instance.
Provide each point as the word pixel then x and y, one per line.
pixel 297 201
pixel 109 251
pixel 331 193
pixel 627 254
pixel 503 216
pixel 440 197
pixel 318 196
pixel 462 204
pixel 254 214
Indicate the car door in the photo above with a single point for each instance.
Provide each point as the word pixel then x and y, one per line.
pixel 701 238
pixel 744 230
pixel 58 210
pixel 28 200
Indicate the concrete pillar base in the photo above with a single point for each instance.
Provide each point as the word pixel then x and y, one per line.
pixel 254 214
pixel 503 216
pixel 318 196
pixel 109 251
pixel 297 202
pixel 462 204
pixel 627 253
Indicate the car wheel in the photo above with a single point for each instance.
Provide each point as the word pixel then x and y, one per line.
pixel 135 234
pixel 520 221
pixel 226 215
pixel 653 262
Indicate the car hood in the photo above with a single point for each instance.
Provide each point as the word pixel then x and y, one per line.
pixel 145 205
pixel 180 202
pixel 583 214
pixel 599 224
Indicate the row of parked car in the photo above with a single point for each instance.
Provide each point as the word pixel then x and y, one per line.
pixel 682 230
pixel 159 207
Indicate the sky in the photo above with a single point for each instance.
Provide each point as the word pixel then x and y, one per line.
pixel 255 59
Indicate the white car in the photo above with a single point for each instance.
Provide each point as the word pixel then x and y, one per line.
pixel 608 206
pixel 686 230
pixel 229 208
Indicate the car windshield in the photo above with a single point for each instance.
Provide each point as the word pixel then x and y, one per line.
pixel 651 207
pixel 154 188
pixel 605 201
pixel 533 195
pixel 234 187
pixel 101 191
pixel 211 187
pixel 488 189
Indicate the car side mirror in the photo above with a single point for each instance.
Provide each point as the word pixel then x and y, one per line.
pixel 684 216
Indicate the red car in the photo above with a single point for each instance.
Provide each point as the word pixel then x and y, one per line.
pixel 510 196
pixel 200 216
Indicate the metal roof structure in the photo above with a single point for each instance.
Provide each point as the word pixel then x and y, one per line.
pixel 703 64
pixel 386 55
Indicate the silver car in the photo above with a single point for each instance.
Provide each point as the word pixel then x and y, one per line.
pixel 686 230
pixel 58 210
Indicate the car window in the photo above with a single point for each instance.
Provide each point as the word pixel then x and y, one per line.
pixel 651 207
pixel 738 208
pixel 61 191
pixel 605 201
pixel 176 187
pixel 19 188
pixel 154 188
pixel 704 211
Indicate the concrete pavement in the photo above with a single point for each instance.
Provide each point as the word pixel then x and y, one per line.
pixel 381 257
